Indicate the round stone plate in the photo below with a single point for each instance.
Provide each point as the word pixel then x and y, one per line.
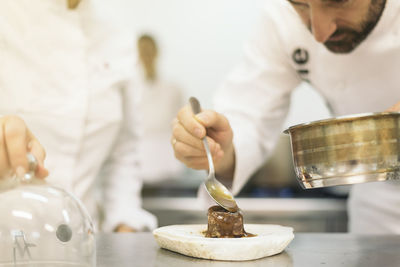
pixel 189 240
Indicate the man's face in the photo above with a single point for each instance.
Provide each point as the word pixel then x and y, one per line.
pixel 147 51
pixel 341 25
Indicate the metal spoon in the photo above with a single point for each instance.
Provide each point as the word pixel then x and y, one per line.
pixel 215 189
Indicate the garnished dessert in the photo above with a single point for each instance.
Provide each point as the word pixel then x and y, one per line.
pixel 223 224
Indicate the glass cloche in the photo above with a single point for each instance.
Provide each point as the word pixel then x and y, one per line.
pixel 42 225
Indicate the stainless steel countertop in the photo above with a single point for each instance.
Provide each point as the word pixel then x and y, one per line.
pixel 303 214
pixel 277 205
pixel 307 249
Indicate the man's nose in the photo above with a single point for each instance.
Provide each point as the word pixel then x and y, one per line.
pixel 322 24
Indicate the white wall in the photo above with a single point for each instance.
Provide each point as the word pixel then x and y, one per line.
pixel 201 41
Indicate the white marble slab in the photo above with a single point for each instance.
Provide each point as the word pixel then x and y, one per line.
pixel 189 240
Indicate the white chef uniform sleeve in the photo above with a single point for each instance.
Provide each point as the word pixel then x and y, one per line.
pixel 256 97
pixel 122 183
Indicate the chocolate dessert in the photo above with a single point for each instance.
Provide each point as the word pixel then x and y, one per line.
pixel 222 223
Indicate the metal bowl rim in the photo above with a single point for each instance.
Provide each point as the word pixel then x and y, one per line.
pixel 339 119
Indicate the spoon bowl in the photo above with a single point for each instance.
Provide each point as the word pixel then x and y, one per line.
pixel 215 189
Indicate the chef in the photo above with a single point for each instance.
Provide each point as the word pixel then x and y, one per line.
pixel 65 80
pixel 348 50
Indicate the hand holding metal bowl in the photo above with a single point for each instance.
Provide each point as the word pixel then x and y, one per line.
pixel 347 150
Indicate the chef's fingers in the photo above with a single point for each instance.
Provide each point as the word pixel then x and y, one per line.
pixel 394 108
pixel 187 150
pixel 180 134
pixel 37 150
pixel 214 120
pixel 16 142
pixel 4 164
pixel 188 121
pixel 199 163
pixel 196 158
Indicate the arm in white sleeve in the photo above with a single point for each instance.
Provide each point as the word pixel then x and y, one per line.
pixel 122 184
pixel 255 98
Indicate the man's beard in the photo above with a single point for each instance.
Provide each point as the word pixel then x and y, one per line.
pixel 352 38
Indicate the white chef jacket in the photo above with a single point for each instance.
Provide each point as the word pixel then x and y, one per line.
pixel 281 54
pixel 67 74
pixel 160 101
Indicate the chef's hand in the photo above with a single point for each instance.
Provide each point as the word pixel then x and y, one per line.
pixel 394 108
pixel 123 228
pixel 187 133
pixel 15 142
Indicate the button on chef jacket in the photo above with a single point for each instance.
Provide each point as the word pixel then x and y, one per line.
pixel 67 74
pixel 281 54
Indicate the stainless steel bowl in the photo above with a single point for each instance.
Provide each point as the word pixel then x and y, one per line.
pixel 347 150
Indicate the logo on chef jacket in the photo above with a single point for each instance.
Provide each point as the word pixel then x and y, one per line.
pixel 300 56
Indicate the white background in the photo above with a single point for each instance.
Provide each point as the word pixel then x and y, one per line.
pixel 200 41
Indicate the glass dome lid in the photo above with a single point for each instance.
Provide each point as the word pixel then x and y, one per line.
pixel 42 225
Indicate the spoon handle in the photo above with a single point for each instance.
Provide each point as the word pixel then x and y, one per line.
pixel 195 104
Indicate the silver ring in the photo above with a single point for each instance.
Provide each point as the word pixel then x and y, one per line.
pixel 173 142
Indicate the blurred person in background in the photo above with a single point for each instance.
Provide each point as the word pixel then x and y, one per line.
pixel 348 50
pixel 65 79
pixel 160 101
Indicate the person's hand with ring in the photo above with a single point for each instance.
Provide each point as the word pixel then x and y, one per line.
pixel 16 140
pixel 187 133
